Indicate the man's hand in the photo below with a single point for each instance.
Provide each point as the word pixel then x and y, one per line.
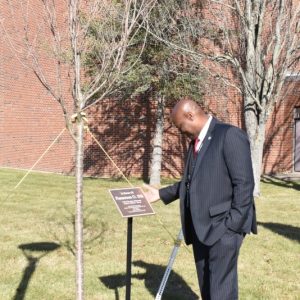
pixel 151 193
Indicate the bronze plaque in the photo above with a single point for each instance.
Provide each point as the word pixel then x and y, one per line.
pixel 131 202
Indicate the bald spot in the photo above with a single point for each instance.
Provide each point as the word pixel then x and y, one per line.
pixel 186 106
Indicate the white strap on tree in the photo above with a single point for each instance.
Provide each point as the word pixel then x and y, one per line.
pixel 169 266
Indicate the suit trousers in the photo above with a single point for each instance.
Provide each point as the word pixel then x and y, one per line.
pixel 217 266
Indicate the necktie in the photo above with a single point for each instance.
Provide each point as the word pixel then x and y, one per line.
pixel 197 141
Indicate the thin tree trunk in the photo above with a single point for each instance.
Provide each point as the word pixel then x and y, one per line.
pixel 156 160
pixel 257 154
pixel 256 133
pixel 79 211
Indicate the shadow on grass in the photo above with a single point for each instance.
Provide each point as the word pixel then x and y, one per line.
pixel 63 230
pixel 33 253
pixel 176 287
pixel 287 183
pixel 288 231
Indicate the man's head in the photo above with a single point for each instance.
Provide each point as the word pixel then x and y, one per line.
pixel 188 117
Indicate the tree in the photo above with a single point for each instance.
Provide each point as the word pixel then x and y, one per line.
pixel 163 75
pixel 262 47
pixel 68 43
pixel 175 82
pixel 259 41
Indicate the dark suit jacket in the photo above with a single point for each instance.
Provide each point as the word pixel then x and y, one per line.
pixel 221 188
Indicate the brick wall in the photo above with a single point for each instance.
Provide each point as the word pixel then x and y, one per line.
pixel 30 119
pixel 280 137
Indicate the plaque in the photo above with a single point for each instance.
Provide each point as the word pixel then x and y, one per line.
pixel 131 202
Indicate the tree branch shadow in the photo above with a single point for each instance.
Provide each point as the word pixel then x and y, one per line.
pixel 125 129
pixel 63 230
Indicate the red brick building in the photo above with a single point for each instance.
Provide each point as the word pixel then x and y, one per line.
pixel 30 119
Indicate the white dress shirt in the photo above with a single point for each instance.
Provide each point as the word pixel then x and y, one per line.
pixel 203 133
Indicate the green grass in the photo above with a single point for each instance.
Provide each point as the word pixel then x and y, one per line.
pixel 36 244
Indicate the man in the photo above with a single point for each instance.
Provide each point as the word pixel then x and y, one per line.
pixel 216 198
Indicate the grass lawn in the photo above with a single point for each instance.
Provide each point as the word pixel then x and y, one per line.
pixel 36 244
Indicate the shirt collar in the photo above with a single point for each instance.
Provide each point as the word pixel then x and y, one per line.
pixel 204 130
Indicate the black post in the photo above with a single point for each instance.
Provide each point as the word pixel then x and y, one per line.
pixel 129 257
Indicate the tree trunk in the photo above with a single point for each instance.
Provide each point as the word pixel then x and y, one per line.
pixel 256 133
pixel 79 211
pixel 156 160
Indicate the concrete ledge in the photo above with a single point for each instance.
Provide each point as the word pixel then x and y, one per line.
pixel 294 176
